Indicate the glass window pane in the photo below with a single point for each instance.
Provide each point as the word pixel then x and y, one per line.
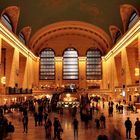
pixel 22 38
pixel 70 64
pixel 47 65
pixel 118 36
pixel 133 18
pixel 93 66
pixel 6 20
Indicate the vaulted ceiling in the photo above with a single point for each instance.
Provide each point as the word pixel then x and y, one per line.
pixel 41 13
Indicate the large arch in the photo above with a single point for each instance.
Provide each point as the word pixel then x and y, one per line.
pixel 27 32
pixel 113 31
pixel 70 32
pixel 125 11
pixel 13 12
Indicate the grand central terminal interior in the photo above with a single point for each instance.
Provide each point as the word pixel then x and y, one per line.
pixel 74 59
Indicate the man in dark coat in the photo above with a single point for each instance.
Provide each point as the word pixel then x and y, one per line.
pixel 25 124
pixel 128 126
pixel 103 121
pixel 75 126
pixel 56 127
pixel 137 129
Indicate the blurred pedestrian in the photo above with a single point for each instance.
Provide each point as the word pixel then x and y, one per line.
pixel 75 127
pixel 10 129
pixel 128 126
pixel 25 124
pixel 137 129
pixel 103 121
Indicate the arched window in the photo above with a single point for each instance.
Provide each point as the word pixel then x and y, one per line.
pixel 133 18
pixel 70 64
pixel 47 65
pixel 22 38
pixel 6 20
pixel 94 69
pixel 117 37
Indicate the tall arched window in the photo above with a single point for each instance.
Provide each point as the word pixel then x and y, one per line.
pixel 6 20
pixel 47 65
pixel 70 64
pixel 22 38
pixel 94 69
pixel 117 37
pixel 133 18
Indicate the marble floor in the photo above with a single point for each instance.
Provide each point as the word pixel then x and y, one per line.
pixel 114 126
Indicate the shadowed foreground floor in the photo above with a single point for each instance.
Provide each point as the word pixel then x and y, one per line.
pixel 114 125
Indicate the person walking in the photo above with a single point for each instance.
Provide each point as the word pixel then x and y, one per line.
pixel 10 129
pixel 103 121
pixel 75 127
pixel 128 126
pixel 25 124
pixel 48 128
pixel 45 117
pixel 97 121
pixel 35 118
pixel 137 129
pixel 56 126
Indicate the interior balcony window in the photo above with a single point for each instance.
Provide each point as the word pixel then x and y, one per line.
pixel 133 18
pixel 6 20
pixel 93 65
pixel 47 65
pixel 22 38
pixel 70 64
pixel 117 37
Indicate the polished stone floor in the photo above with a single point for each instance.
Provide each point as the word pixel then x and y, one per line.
pixel 115 129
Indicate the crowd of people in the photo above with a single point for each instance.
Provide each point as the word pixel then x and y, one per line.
pixel 42 109
pixel 6 127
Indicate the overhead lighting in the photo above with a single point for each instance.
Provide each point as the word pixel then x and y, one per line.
pixel 137 72
pixel 3 80
pixel 129 37
pixel 68 95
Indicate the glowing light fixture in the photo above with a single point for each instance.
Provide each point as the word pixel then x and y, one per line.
pixel 68 95
pixel 137 73
pixel 3 80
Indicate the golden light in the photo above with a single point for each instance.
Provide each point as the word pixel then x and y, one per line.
pixel 58 59
pixel 5 99
pixel 129 37
pixel 68 99
pixel 48 96
pixel 137 73
pixel 16 43
pixel 136 89
pixel 65 99
pixel 68 95
pixel 62 86
pixel 3 80
pixel 82 58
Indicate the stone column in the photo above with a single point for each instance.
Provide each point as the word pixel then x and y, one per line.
pixel 58 71
pixel 12 67
pixel 139 66
pixel 125 73
pixel 82 72
pixel 0 64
